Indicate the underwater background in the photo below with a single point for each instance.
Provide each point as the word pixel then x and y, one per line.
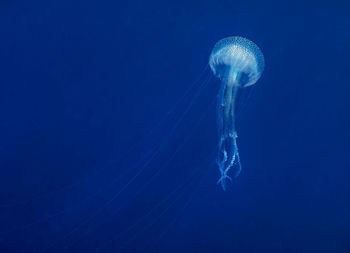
pixel 108 134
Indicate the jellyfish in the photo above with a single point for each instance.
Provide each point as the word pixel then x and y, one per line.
pixel 238 63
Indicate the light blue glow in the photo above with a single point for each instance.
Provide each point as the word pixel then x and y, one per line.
pixel 238 63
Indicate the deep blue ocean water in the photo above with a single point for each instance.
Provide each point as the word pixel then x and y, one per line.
pixel 108 132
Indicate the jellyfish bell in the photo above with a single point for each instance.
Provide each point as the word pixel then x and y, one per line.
pixel 237 60
pixel 238 63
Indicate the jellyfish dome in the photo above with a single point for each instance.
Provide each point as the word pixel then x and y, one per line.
pixel 237 58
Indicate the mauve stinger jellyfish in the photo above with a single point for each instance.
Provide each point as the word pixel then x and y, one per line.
pixel 238 63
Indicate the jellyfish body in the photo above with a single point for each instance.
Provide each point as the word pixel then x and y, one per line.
pixel 238 63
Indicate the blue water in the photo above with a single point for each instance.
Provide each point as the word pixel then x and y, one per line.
pixel 108 143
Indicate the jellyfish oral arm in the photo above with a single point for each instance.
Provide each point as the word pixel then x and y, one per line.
pixel 228 159
pixel 228 156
